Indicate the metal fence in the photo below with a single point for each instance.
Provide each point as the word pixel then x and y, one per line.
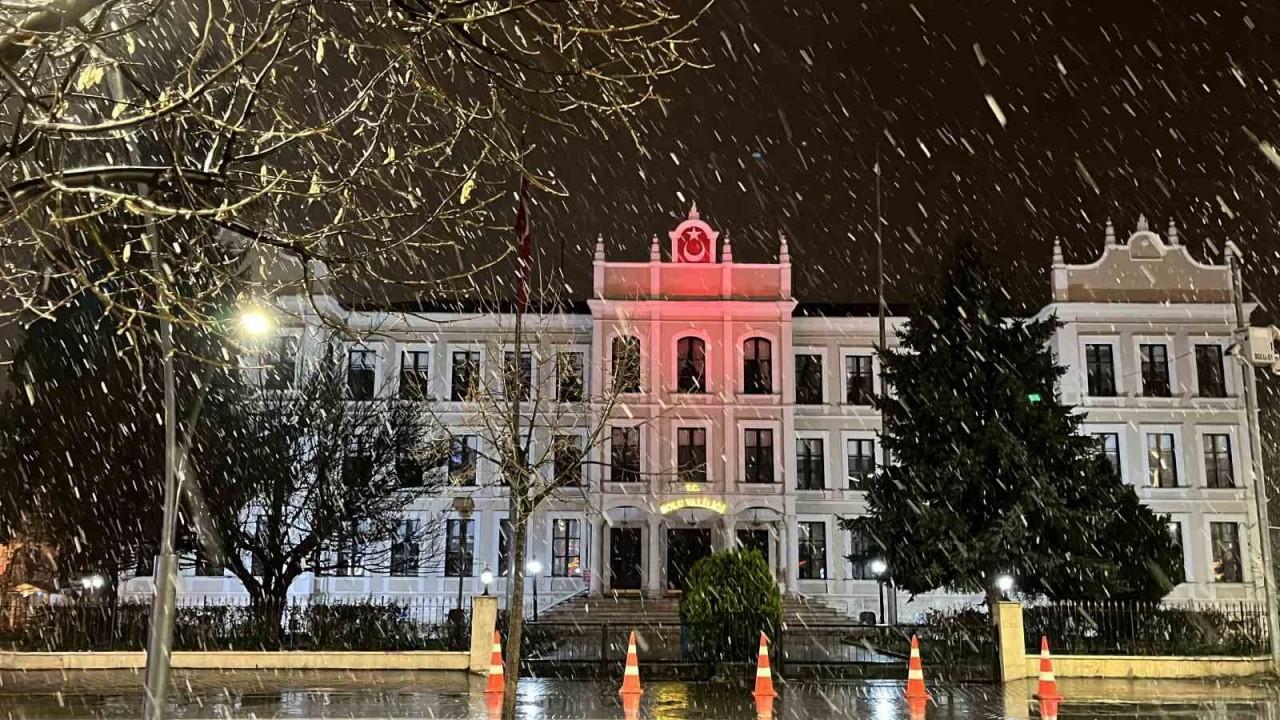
pixel 1139 628
pixel 236 624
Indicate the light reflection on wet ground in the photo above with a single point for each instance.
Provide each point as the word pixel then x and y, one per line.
pixel 456 695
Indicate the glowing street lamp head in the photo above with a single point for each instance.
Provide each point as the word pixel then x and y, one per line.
pixel 486 577
pixel 534 567
pixel 1004 583
pixel 255 322
pixel 878 566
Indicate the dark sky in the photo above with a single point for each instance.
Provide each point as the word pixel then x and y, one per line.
pixel 1111 109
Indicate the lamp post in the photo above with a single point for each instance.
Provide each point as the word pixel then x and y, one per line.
pixel 1004 583
pixel 486 579
pixel 878 567
pixel 534 568
pixel 160 640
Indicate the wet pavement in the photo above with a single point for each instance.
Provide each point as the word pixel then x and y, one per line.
pixel 247 694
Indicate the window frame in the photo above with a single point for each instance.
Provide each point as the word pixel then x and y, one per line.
pixel 822 439
pixel 416 543
pixel 425 387
pixel 579 443
pixel 1180 464
pixel 804 531
pixel 611 360
pixel 1203 433
pixel 1113 351
pixel 553 551
pixel 821 355
pixel 375 367
pixel 465 523
pixel 774 435
pixel 1169 365
pixel 846 384
pixel 640 452
pixel 266 367
pixel 769 387
pixel 498 541
pixel 693 428
pixel 531 379
pixel 453 470
pixel 698 385
pixel 1196 345
pixel 583 387
pixel 1241 540
pixel 477 381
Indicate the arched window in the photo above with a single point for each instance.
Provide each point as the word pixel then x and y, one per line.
pixel 757 366
pixel 626 364
pixel 691 365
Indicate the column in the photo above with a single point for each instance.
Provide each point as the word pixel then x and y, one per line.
pixel 597 556
pixel 792 550
pixel 653 562
pixel 727 524
pixel 780 553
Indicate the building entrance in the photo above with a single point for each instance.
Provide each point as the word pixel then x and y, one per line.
pixel 624 558
pixel 685 546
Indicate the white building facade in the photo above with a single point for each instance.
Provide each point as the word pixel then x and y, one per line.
pixel 714 409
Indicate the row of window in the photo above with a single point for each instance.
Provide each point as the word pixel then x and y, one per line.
pixel 1162 459
pixel 1100 370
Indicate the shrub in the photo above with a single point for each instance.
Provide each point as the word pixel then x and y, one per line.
pixel 732 598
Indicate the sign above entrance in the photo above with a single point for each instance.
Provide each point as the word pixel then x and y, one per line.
pixel 719 507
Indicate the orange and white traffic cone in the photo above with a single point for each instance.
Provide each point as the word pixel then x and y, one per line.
pixel 916 708
pixel 764 675
pixel 1047 691
pixel 631 675
pixel 915 673
pixel 497 677
pixel 764 707
pixel 493 704
pixel 631 706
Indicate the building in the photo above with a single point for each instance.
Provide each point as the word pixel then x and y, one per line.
pixel 722 410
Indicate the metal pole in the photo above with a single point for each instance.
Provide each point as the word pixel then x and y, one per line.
pixel 535 598
pixel 1257 478
pixel 883 619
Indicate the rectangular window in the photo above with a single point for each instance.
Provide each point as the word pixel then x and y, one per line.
pixel 462 460
pixel 813 550
pixel 1109 448
pixel 1227 565
pixel 415 375
pixel 459 547
pixel 1100 367
pixel 569 376
pixel 506 534
pixel 757 446
pixel 357 463
pixel 350 556
pixel 566 548
pixel 808 379
pixel 691 365
pixel 568 460
pixel 1175 534
pixel 859 386
pixel 280 361
pixel 405 550
pixel 517 378
pixel 691 454
pixel 1155 370
pixel 466 373
pixel 624 454
pixel 626 364
pixel 1218 470
pixel 1162 463
pixel 1209 371
pixel 861 553
pixel 862 462
pixel 757 366
pixel 361 374
pixel 811 473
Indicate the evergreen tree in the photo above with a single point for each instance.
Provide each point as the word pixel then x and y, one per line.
pixel 988 473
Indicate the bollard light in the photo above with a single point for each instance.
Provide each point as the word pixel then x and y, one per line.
pixel 1004 583
pixel 486 579
pixel 878 567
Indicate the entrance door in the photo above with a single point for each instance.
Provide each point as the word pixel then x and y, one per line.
pixel 624 558
pixel 684 548
pixel 755 539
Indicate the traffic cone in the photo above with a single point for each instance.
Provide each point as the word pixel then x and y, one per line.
pixel 916 707
pixel 1047 692
pixel 631 675
pixel 497 677
pixel 764 675
pixel 764 707
pixel 915 673
pixel 631 706
pixel 493 703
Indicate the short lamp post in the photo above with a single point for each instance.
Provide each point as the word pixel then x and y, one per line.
pixel 1004 583
pixel 534 568
pixel 878 568
pixel 486 579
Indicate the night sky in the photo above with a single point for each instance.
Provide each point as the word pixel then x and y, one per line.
pixel 1110 109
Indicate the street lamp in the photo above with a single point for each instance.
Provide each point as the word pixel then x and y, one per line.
pixel 486 579
pixel 1004 583
pixel 92 582
pixel 254 322
pixel 534 568
pixel 878 568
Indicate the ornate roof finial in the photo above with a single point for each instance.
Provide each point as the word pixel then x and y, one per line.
pixel 599 247
pixel 1058 261
pixel 1111 233
pixel 655 252
pixel 784 253
pixel 1142 224
pixel 1173 232
pixel 726 250
pixel 693 211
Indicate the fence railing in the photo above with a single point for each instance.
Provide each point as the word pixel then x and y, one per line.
pixel 1139 628
pixel 237 624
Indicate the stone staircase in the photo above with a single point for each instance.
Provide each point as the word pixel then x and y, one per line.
pixel 637 610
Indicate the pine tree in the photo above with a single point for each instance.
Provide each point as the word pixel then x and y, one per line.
pixel 988 472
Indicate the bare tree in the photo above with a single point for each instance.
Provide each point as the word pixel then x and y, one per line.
pixel 318 476
pixel 363 133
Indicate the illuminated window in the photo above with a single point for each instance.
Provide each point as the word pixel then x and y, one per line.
pixel 1225 540
pixel 812 550
pixel 566 548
